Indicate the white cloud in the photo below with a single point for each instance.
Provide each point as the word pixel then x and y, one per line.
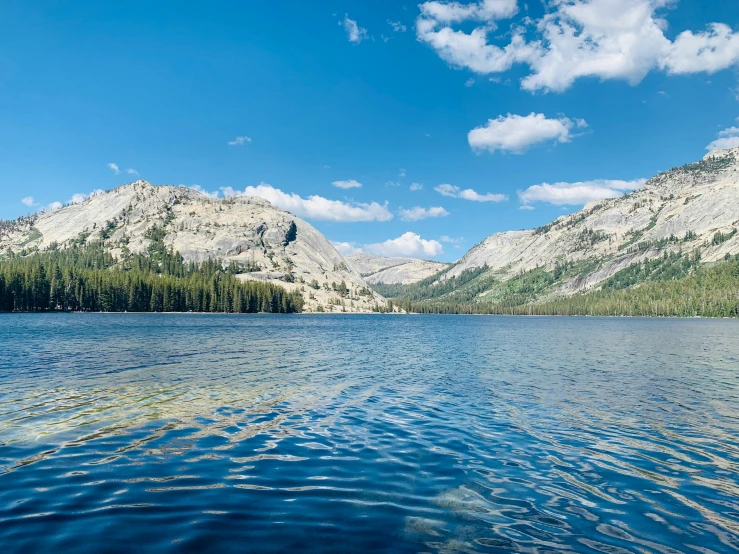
pixel 562 194
pixel 81 197
pixel 114 167
pixel 350 184
pixel 407 245
pixel 239 141
pixel 417 213
pixel 316 207
pixel 516 133
pixel 450 240
pixel 454 12
pixel 392 184
pixel 201 190
pixel 354 32
pixel 397 26
pixel 468 194
pixel 132 171
pixel 416 187
pixel 75 199
pixel 605 39
pixel 469 82
pixel 402 172
pixel 346 248
pixel 728 138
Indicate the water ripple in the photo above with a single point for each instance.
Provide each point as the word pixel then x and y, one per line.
pixel 382 434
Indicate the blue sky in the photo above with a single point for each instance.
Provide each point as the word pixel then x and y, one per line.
pixel 503 113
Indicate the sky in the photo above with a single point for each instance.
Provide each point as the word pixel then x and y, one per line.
pixel 394 128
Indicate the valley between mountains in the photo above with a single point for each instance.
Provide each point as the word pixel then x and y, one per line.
pixel 619 256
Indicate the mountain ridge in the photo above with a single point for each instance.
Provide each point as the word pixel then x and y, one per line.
pixel 247 231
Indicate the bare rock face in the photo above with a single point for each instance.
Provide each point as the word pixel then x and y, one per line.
pixel 246 230
pixel 378 270
pixel 681 209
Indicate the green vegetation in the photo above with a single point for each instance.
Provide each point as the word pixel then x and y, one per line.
pixel 675 284
pixel 88 278
pixel 429 288
pixel 720 238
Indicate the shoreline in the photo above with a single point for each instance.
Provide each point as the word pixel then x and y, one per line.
pixel 682 318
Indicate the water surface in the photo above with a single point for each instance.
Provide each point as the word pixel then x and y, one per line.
pixel 211 433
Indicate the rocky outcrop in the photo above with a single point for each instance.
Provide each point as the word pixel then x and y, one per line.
pixel 379 270
pixel 685 208
pixel 246 230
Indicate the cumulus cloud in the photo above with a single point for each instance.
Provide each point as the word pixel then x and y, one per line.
pixel 239 141
pixel 409 245
pixel 416 187
pixel 417 213
pixel 454 12
pixel 316 207
pixel 468 194
pixel 517 133
pixel 29 201
pixel 604 39
pixel 563 194
pixel 354 32
pixel 350 184
pixel 114 167
pixel 346 248
pixel 728 138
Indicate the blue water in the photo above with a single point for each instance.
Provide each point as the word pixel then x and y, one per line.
pixel 210 433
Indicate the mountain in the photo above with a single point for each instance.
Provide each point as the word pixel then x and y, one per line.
pixel 270 244
pixel 380 270
pixel 689 209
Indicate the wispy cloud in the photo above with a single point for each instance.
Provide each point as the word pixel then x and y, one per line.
pixel 316 207
pixel 350 184
pixel 397 26
pixel 132 171
pixel 240 141
pixel 417 213
pixel 53 206
pixel 402 172
pixel 354 32
pixel 115 168
pixel 416 187
pixel 468 194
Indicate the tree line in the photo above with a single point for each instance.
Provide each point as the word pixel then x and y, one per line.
pixel 674 286
pixel 88 278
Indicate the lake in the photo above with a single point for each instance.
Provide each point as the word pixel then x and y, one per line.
pixel 217 433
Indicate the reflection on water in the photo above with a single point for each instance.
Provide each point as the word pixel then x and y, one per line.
pixel 368 433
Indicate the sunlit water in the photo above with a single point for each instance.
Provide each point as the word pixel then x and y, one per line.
pixel 368 433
